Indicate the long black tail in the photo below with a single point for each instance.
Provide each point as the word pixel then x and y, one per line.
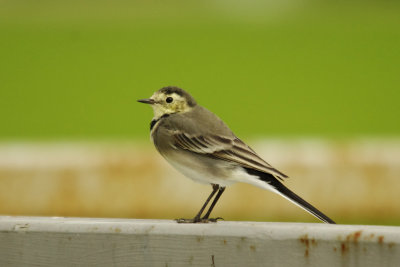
pixel 287 193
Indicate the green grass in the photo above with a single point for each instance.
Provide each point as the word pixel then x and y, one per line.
pixel 75 69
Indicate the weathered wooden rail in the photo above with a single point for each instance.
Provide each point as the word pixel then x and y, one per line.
pixel 49 241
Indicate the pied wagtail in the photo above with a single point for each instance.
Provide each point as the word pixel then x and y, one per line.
pixel 202 147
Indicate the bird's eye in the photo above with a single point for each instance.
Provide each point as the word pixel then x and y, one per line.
pixel 169 99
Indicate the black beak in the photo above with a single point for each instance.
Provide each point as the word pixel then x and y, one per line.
pixel 147 101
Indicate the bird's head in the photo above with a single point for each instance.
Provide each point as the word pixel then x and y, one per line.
pixel 170 100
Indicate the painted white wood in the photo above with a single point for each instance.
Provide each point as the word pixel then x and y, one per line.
pixel 46 241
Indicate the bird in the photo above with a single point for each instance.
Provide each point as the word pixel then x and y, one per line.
pixel 201 146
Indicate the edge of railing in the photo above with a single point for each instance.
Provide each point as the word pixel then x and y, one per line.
pixel 57 241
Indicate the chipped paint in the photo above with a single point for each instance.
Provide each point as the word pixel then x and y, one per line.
pixel 304 239
pixel 344 248
pixel 21 227
pixel 354 237
pixel 151 228
pixel 369 237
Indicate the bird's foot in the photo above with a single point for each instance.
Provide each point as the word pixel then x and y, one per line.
pixel 214 219
pixel 198 220
pixel 182 220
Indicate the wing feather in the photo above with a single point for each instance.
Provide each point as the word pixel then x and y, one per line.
pixel 225 148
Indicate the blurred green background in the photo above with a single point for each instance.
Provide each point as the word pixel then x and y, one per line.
pixel 74 69
pixel 301 70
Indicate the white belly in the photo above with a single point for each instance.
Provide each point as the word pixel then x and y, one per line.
pixel 210 171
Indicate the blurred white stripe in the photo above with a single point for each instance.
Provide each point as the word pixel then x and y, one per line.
pixel 307 152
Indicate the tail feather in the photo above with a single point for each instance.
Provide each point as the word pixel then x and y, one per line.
pixel 288 194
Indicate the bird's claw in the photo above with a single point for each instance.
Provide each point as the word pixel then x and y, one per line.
pixel 198 220
pixel 215 219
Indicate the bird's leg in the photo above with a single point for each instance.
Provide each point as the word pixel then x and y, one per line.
pixel 197 218
pixel 206 217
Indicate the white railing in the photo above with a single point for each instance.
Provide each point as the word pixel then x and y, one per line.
pixel 49 241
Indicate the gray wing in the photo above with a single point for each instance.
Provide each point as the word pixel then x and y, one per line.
pixel 225 148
